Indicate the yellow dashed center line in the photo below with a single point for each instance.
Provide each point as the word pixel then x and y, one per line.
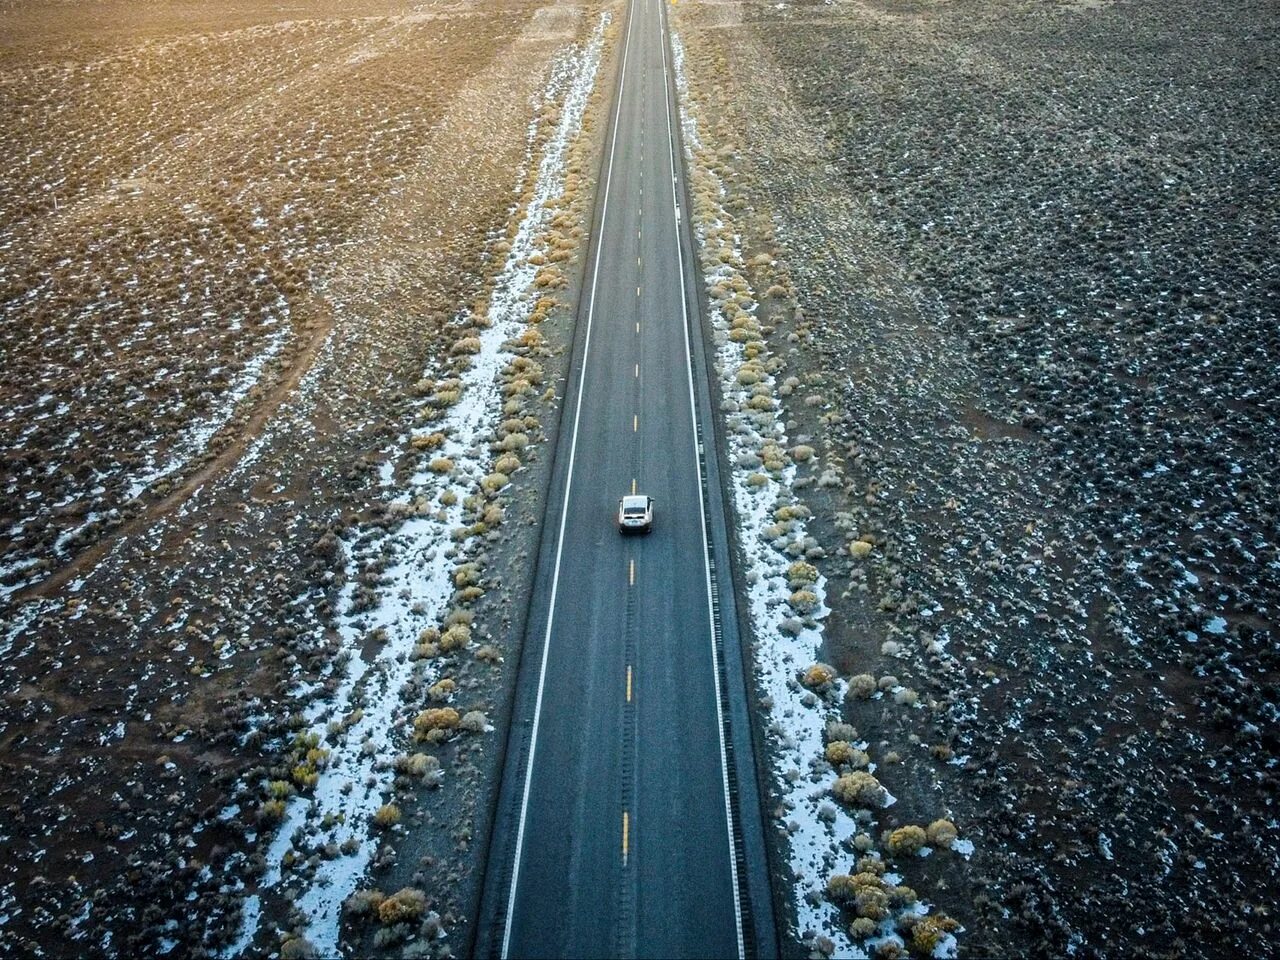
pixel 628 683
pixel 626 836
pixel 631 575
pixel 633 486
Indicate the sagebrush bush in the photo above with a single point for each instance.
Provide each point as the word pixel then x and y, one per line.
pixel 859 548
pixel 403 906
pixel 861 686
pixel 818 675
pixel 906 841
pixel 494 482
pixel 297 948
pixel 859 789
pixel 427 441
pixel 455 638
pixel 271 810
pixel 872 901
pixel 837 730
pixel 795 511
pixel 942 833
pixel 800 574
pixel 803 601
pixel 387 815
pixel 458 615
pixel 929 932
pixel 861 928
pixel 900 897
pixel 441 690
pixel 517 388
pixel 473 721
pixel 549 278
pixel 364 903
pixel 872 865
pixel 841 888
pixel 838 752
pixel 437 719
pixel 419 765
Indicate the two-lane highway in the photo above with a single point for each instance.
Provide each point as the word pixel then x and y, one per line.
pixel 616 830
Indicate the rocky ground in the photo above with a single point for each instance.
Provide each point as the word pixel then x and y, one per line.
pixel 1018 263
pixel 244 272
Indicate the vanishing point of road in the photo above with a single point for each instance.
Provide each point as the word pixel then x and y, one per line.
pixel 629 820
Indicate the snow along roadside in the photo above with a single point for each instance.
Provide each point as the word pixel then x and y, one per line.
pixel 357 729
pixel 786 594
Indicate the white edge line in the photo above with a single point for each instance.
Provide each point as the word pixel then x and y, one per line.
pixel 564 511
pixel 702 510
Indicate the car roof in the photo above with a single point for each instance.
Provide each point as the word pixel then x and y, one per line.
pixel 635 500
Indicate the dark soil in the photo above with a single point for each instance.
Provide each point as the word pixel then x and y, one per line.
pixel 1033 245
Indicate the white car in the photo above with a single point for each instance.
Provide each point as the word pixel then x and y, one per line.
pixel 635 514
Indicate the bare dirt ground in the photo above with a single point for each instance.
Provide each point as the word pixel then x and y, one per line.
pixel 232 239
pixel 1020 260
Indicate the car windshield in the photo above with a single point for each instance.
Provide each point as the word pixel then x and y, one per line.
pixel 634 511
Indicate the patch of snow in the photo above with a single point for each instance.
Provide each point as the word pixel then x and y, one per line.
pixel 1104 846
pixel 197 435
pixel 786 642
pixel 417 585
pixel 19 621
pixel 796 730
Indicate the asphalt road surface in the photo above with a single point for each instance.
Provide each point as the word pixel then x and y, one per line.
pixel 628 822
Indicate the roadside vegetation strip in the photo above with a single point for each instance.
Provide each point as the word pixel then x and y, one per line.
pixel 820 768
pixel 410 583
